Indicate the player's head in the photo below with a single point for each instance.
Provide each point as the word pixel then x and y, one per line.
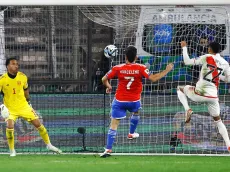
pixel 12 65
pixel 203 41
pixel 214 48
pixel 131 54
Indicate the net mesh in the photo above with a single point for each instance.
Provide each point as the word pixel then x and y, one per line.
pixel 157 32
pixel 112 16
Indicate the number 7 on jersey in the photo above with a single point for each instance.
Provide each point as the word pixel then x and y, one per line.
pixel 131 79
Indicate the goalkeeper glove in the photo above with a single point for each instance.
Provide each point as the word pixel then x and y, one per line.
pixel 4 111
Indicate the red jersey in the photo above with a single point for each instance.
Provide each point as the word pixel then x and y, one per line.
pixel 130 80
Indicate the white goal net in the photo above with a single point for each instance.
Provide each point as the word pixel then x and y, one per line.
pixel 156 31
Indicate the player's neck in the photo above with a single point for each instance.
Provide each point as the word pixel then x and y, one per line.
pixel 213 53
pixel 127 62
pixel 11 75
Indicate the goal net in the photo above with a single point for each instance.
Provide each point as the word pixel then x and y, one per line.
pixel 156 31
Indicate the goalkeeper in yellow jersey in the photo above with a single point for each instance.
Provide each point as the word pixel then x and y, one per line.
pixel 14 87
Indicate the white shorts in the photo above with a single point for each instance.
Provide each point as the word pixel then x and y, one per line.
pixel 212 102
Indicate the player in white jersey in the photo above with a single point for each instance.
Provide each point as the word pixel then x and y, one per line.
pixel 206 90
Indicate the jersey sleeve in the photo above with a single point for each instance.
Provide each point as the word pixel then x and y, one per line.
pixel 192 61
pixel 112 73
pixel 227 71
pixel 200 60
pixel 226 76
pixel 25 83
pixel 145 72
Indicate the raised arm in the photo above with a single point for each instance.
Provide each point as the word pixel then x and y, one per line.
pixel 186 58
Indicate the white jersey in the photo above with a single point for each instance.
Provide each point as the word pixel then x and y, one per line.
pixel 212 67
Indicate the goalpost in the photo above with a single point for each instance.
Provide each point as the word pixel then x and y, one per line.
pixel 156 31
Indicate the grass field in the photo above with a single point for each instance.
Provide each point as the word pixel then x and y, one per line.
pixel 92 163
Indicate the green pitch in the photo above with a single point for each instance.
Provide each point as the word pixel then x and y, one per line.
pixel 92 163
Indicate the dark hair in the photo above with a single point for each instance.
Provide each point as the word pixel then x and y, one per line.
pixel 131 53
pixel 215 46
pixel 203 37
pixel 10 59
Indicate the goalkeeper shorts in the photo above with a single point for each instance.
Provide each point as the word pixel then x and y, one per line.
pixel 26 113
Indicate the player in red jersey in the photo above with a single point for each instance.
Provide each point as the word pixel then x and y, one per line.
pixel 128 93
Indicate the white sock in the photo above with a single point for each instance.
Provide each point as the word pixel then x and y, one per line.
pixel 49 144
pixel 183 99
pixel 223 131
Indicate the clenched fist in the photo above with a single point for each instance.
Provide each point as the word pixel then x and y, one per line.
pixel 183 44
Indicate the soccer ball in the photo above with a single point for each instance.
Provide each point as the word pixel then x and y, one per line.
pixel 4 111
pixel 110 51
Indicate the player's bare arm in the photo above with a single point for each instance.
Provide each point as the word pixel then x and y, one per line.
pixel 106 83
pixel 27 95
pixel 158 76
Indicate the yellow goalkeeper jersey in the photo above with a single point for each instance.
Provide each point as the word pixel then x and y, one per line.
pixel 13 91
